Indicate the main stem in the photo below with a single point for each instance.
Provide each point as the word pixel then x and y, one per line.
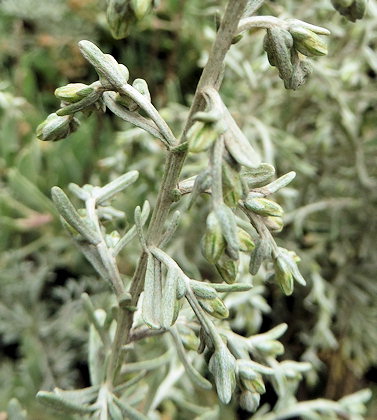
pixel 211 76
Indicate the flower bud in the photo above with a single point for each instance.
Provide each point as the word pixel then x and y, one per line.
pixel 213 243
pixel 277 44
pixel 215 307
pixel 254 385
pixel 249 401
pixel 119 17
pixel 246 242
pixel 227 268
pixel 263 206
pixel 351 9
pixel 201 136
pixel 283 275
pixel 73 92
pixel 190 341
pixel 274 223
pixel 141 7
pixel 232 185
pixel 55 128
pixel 222 365
pixel 261 252
pixel 302 69
pixel 307 42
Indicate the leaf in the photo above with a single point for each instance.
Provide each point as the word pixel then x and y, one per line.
pixel 59 403
pixel 119 184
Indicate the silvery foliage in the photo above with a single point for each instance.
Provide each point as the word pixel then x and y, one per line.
pixel 188 315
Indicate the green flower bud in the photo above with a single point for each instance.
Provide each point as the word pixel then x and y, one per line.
pixel 227 268
pixel 351 9
pixel 141 7
pixel 201 136
pixel 261 252
pixel 120 17
pixel 246 242
pixel 213 243
pixel 227 221
pixel 263 206
pixel 254 385
pixel 73 92
pixel 249 401
pixel 283 275
pixel 277 44
pixel 190 341
pixel 232 185
pixel 274 223
pixel 307 42
pixel 215 307
pixel 222 365
pixel 55 128
pixel 302 69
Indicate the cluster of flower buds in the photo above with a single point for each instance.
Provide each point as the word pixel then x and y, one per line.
pixel 122 14
pixel 351 9
pixel 286 49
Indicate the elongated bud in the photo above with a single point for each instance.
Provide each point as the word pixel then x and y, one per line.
pixel 227 268
pixel 249 401
pixel 254 385
pixel 141 7
pixel 73 92
pixel 222 365
pixel 351 9
pixel 307 42
pixel 215 307
pixel 201 136
pixel 274 223
pixel 232 185
pixel 290 259
pixel 302 69
pixel 263 206
pixel 55 128
pixel 261 252
pixel 120 17
pixel 246 242
pixel 213 243
pixel 277 44
pixel 227 221
pixel 190 341
pixel 283 275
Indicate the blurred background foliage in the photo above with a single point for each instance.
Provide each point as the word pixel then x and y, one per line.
pixel 326 132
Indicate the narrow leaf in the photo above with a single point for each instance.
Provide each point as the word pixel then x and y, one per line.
pixel 70 214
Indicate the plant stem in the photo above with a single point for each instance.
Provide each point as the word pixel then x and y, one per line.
pixel 211 76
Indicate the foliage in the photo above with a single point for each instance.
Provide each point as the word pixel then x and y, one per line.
pixel 324 131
